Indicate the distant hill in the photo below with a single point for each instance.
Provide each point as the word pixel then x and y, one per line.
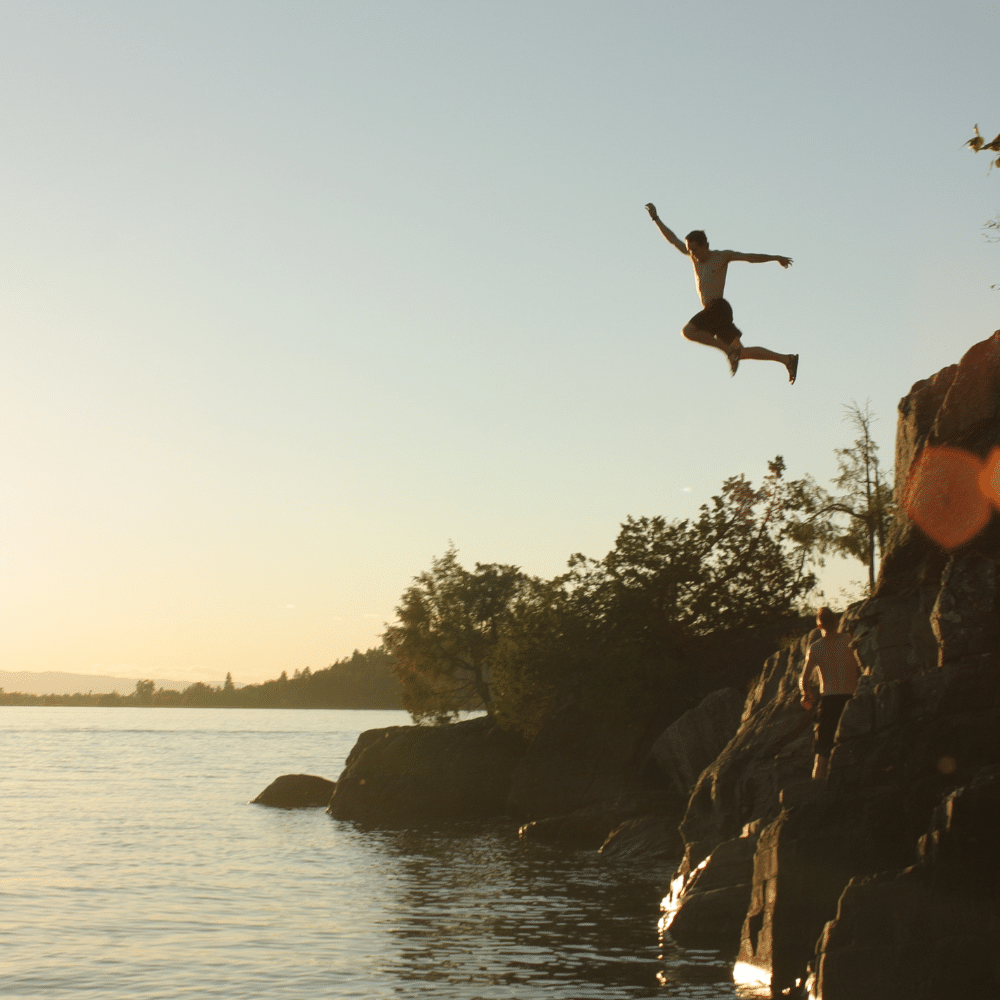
pixel 55 682
pixel 363 680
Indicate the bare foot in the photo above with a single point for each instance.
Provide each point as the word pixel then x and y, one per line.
pixel 734 359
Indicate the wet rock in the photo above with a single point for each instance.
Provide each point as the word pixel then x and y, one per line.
pixel 583 828
pixel 405 775
pixel 592 826
pixel 709 905
pixel 646 840
pixel 296 791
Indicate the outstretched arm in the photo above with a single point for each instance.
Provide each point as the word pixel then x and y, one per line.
pixel 760 258
pixel 651 208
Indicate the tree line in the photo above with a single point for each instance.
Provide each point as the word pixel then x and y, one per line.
pixel 363 680
pixel 613 632
pixel 621 629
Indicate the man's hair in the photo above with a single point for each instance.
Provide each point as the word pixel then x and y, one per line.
pixel 828 619
pixel 697 236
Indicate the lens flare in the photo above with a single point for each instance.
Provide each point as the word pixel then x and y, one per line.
pixel 945 497
pixel 989 478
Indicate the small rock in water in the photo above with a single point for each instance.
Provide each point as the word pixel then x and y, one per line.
pixel 296 791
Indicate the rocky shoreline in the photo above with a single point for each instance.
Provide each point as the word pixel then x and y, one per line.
pixel 884 882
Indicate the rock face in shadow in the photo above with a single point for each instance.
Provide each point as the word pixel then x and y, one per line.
pixel 697 738
pixel 296 791
pixel 578 761
pixel 405 775
pixel 771 749
pixel 943 911
pixel 594 825
pixel 580 764
pixel 708 904
pixel 884 881
pixel 646 839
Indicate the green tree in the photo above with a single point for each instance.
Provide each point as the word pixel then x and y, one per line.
pixel 616 632
pixel 743 561
pixel 144 691
pixel 449 624
pixel 546 640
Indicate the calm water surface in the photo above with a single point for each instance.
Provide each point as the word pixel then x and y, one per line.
pixel 131 866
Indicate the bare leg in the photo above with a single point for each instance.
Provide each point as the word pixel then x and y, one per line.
pixel 820 765
pixel 790 361
pixel 706 338
pixel 762 354
pixel 735 352
pixel 731 349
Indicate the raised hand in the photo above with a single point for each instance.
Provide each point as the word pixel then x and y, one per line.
pixel 651 208
pixel 783 261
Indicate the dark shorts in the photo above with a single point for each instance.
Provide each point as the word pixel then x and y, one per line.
pixel 717 318
pixel 830 707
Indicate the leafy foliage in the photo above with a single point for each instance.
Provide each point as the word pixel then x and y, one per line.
pixel 450 622
pixel 610 629
pixel 742 562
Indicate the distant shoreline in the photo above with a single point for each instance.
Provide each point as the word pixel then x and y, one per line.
pixel 40 701
pixel 363 681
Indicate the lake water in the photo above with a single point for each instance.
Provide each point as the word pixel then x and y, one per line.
pixel 131 867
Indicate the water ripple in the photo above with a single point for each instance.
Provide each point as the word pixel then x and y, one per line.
pixel 132 867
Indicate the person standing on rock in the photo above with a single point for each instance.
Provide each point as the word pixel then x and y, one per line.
pixel 713 326
pixel 839 669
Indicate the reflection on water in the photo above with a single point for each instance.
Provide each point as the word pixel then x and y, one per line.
pixel 477 908
pixel 751 983
pixel 136 869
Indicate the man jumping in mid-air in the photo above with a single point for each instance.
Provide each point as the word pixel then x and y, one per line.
pixel 713 326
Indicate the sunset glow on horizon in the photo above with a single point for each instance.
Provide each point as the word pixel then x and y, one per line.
pixel 299 294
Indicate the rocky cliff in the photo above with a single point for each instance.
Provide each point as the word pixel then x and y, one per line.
pixel 885 881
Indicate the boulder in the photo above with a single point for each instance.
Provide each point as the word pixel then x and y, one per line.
pixel 592 826
pixel 583 828
pixel 406 775
pixel 772 748
pixel 697 738
pixel 296 791
pixel 647 840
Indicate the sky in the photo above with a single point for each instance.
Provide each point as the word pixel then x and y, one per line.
pixel 297 294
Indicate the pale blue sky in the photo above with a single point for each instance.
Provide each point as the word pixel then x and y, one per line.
pixel 295 293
